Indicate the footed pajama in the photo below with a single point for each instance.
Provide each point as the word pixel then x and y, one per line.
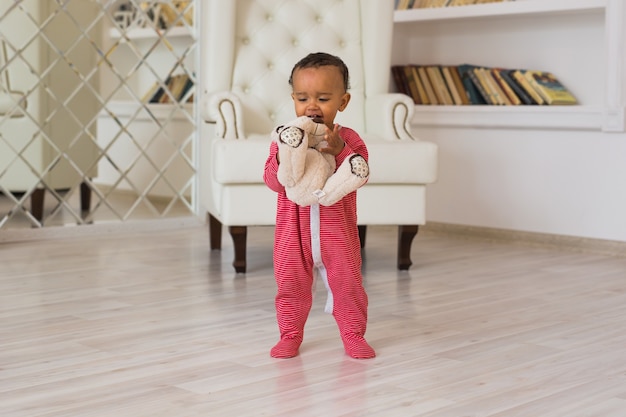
pixel 320 240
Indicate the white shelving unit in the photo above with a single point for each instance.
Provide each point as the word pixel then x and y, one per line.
pixel 517 8
pixel 146 54
pixel 581 41
pixel 150 33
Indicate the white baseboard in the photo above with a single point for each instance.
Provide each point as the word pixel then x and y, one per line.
pixel 570 243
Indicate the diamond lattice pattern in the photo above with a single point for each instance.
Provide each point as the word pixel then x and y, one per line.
pixel 96 111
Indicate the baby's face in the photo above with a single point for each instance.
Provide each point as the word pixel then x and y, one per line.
pixel 319 93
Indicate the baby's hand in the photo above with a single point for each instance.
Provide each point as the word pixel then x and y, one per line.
pixel 334 141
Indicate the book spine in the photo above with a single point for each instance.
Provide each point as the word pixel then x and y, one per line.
pixel 458 82
pixel 482 86
pixel 397 73
pixel 447 75
pixel 523 81
pixel 474 96
pixel 485 73
pixel 530 76
pixel 507 90
pixel 420 86
pixel 408 75
pixel 521 93
pixel 441 89
pixel 428 86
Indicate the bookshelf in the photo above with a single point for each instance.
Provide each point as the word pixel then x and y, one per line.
pixel 144 56
pixel 181 32
pixel 516 8
pixel 581 41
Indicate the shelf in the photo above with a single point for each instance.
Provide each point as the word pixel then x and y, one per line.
pixel 122 108
pixel 151 33
pixel 511 117
pixel 507 8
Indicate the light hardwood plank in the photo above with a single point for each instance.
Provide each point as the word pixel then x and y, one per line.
pixel 151 323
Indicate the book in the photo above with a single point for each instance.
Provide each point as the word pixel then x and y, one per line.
pixel 473 93
pixel 156 98
pixel 460 87
pixel 173 91
pixel 167 96
pixel 549 88
pixel 497 92
pixel 454 92
pixel 507 90
pixel 420 86
pixel 397 71
pixel 441 90
pixel 147 97
pixel 519 91
pixel 178 84
pixel 481 83
pixel 186 95
pixel 518 75
pixel 413 92
pixel 428 86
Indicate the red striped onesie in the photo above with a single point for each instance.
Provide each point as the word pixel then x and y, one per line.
pixel 295 261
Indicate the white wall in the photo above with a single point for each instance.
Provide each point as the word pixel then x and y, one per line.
pixel 569 183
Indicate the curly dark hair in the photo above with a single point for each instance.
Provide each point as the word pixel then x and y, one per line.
pixel 321 59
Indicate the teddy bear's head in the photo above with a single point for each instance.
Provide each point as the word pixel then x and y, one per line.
pixel 293 132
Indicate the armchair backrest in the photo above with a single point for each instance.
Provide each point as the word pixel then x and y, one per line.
pixel 252 45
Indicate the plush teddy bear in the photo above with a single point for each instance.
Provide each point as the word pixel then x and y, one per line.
pixel 309 175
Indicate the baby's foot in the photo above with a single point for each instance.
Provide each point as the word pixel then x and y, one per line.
pixel 357 348
pixel 286 348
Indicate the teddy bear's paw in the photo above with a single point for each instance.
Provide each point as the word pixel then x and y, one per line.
pixel 291 136
pixel 359 166
pixel 350 175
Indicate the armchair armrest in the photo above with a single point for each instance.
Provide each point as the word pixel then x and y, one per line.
pixel 224 110
pixel 389 115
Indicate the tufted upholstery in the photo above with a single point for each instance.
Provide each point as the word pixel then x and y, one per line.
pixel 249 48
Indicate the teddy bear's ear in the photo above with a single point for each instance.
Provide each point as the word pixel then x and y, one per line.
pixel 280 128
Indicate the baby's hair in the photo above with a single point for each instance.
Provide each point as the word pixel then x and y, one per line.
pixel 322 59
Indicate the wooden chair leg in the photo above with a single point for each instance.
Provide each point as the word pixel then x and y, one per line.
pixel 85 198
pixel 362 234
pixel 215 233
pixel 239 235
pixel 36 203
pixel 406 233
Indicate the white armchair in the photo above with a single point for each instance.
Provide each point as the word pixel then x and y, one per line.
pixel 250 48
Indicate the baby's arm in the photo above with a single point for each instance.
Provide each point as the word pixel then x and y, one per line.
pixel 271 170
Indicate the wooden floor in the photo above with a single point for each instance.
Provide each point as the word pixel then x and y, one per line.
pixel 152 324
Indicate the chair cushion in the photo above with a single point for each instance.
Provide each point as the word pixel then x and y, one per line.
pixel 237 161
pixel 401 161
pixel 240 161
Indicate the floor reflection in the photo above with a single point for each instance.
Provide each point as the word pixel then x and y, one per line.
pixel 127 204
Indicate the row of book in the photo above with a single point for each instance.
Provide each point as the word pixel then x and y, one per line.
pixel 468 84
pixel 179 89
pixel 158 14
pixel 422 4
